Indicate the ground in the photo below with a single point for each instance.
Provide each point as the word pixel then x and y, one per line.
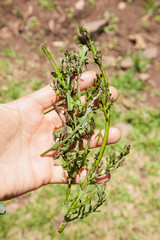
pixel 132 208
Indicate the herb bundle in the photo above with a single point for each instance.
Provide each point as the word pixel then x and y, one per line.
pixel 79 123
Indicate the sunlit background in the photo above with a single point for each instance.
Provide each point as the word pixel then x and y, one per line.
pixel 128 33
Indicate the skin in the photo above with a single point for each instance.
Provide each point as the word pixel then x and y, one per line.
pixel 26 132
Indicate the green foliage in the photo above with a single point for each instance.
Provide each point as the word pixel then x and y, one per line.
pixel 35 83
pixel 11 89
pixel 14 91
pixel 113 20
pixel 146 24
pixel 145 123
pixel 16 11
pixel 115 161
pixel 151 6
pixel 92 3
pixel 113 43
pixel 157 18
pixel 8 52
pixel 127 82
pixel 4 66
pixel 79 125
pixel 70 12
pixel 129 1
pixel 145 144
pixel 140 62
pixel 144 120
pixel 48 4
pixel 27 38
pixel 34 23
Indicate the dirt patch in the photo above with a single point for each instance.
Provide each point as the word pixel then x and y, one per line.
pixel 25 26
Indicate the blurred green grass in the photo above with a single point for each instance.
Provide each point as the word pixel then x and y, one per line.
pixel 132 207
pixel 12 87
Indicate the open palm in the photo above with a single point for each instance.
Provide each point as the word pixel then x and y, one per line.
pixel 26 133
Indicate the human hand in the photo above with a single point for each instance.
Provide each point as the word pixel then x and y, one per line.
pixel 26 132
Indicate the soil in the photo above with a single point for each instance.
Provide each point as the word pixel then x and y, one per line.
pixel 25 26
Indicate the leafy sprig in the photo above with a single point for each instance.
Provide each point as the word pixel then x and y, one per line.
pixel 79 123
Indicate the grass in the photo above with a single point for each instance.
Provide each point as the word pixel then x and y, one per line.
pixel 4 66
pixel 14 91
pixel 70 13
pixel 127 82
pixel 152 9
pixel 145 135
pixel 131 210
pixel 151 6
pixel 34 23
pixel 48 4
pixel 140 62
pixel 113 43
pixel 113 21
pixel 11 87
pixel 16 11
pixel 92 3
pixel 132 207
pixel 8 52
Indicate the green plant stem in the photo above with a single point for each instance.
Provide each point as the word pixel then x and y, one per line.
pixel 62 227
pixel 97 58
pixel 78 84
pixel 83 54
pixel 53 64
pixel 64 223
pixel 102 149
pixel 68 189
pixel 103 146
pixel 73 161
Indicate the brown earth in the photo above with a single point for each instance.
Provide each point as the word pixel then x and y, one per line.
pixel 16 31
